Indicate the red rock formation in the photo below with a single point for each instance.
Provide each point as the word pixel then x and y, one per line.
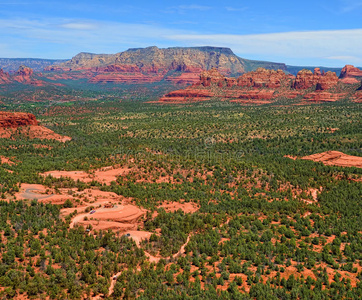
pixel 211 76
pixel 4 77
pixel 306 79
pixel 349 80
pixel 13 120
pixel 321 96
pixel 13 124
pixel 258 94
pixel 25 75
pixel 263 78
pixel 188 94
pixel 336 158
pixel 264 86
pixel 184 78
pixel 327 81
pixel 349 71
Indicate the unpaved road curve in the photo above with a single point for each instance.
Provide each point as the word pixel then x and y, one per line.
pixel 29 194
pixel 156 259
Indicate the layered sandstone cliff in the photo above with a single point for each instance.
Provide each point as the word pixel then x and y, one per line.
pixel 151 64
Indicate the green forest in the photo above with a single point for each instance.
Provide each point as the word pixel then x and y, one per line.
pixel 257 233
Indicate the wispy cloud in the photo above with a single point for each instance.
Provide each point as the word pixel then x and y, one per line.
pixel 79 26
pixel 193 7
pixel 230 8
pixel 182 9
pixel 289 45
pixel 346 58
pixel 63 38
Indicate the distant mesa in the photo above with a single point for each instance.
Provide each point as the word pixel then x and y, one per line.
pixel 19 124
pixel 141 65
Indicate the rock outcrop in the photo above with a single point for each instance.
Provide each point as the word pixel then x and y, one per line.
pixel 350 71
pixel 336 158
pixel 265 86
pixel 264 78
pixel 17 124
pixel 327 81
pixel 24 75
pixel 17 119
pixel 4 77
pixel 306 79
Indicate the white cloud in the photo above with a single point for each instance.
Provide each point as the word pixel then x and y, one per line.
pixel 290 45
pixel 194 7
pixel 344 57
pixel 63 38
pixel 79 26
pixel 229 8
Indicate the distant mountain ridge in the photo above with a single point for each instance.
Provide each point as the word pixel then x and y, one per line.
pixel 168 59
pixel 37 64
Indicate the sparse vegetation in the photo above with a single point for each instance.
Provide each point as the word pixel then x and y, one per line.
pixel 258 233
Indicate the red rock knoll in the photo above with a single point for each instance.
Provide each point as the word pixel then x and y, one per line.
pixel 336 158
pixel 13 124
pixel 13 120
pixel 350 71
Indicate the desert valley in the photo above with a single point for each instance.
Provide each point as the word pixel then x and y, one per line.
pixel 179 173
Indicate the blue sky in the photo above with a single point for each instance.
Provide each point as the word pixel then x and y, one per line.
pixel 322 32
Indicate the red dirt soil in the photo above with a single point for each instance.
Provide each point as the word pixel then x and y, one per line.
pixel 186 207
pixel 118 218
pixel 103 175
pixel 5 160
pixel 336 158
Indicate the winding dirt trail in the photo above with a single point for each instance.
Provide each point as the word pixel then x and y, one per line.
pixel 156 259
pixel 113 283
pixel 151 258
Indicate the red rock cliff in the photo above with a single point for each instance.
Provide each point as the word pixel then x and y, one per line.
pixel 17 119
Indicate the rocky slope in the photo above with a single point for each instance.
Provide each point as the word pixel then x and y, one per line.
pixel 4 77
pixel 265 86
pixel 18 124
pixel 177 65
